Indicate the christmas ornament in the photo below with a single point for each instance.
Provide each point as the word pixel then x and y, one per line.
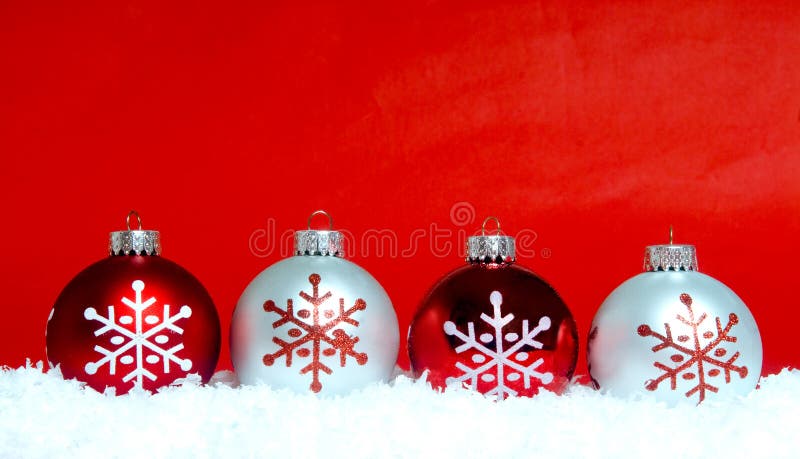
pixel 134 319
pixel 494 326
pixel 314 321
pixel 675 333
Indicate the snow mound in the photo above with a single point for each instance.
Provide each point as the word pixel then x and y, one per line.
pixel 41 415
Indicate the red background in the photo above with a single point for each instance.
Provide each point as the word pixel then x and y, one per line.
pixel 596 126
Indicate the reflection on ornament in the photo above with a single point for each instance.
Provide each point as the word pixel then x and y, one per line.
pixel 316 333
pixel 501 360
pixel 699 353
pixel 589 342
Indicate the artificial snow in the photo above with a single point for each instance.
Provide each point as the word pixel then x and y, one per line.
pixel 41 415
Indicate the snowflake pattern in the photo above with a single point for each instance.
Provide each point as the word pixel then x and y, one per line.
pixel 699 355
pixel 138 340
pixel 316 333
pixel 501 359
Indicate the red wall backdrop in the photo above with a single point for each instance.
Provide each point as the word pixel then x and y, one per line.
pixel 592 125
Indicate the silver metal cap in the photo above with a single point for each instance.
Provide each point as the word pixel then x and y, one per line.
pixel 495 248
pixel 313 242
pixel 491 249
pixel 134 242
pixel 670 257
pixel 319 242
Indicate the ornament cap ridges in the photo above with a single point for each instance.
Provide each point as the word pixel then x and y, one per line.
pixel 318 243
pixel 324 243
pixel 134 242
pixel 670 257
pixel 496 248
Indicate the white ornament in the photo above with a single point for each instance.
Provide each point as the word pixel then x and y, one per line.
pixel 341 336
pixel 504 362
pixel 318 323
pixel 675 334
pixel 148 342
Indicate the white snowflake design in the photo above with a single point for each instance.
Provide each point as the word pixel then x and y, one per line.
pixel 501 359
pixel 140 339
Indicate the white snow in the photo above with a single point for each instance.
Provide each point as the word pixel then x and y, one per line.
pixel 41 415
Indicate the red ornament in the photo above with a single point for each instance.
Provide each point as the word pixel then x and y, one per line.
pixel 133 319
pixel 494 326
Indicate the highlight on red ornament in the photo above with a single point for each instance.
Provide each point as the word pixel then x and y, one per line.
pixel 134 319
pixel 494 326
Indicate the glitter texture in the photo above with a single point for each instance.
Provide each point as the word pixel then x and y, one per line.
pixel 700 354
pixel 315 333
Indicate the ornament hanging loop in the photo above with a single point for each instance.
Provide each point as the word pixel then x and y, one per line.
pixel 134 241
pixel 318 242
pixel 494 249
pixel 487 220
pixel 320 212
pixel 138 220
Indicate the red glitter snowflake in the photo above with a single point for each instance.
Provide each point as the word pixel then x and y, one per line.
pixel 700 356
pixel 316 333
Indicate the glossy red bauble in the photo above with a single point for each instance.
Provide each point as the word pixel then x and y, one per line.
pixel 497 328
pixel 133 320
